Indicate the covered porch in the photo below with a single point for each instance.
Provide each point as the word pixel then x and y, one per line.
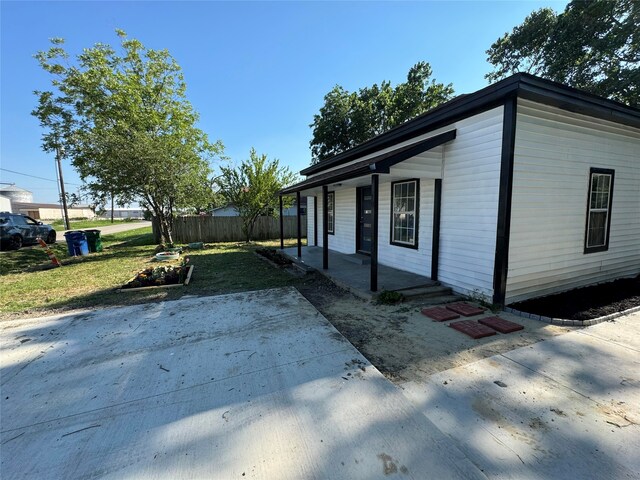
pixel 353 272
pixel 359 233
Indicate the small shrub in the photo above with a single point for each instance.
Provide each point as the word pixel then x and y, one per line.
pixel 482 299
pixel 390 298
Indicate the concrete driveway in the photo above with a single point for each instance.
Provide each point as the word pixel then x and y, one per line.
pixel 251 385
pixel 565 407
pixel 117 227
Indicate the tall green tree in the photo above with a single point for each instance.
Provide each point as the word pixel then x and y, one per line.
pixel 253 188
pixel 593 45
pixel 349 118
pixel 124 121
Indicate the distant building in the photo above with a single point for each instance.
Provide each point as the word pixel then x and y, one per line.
pixel 231 211
pixel 5 204
pixel 123 213
pixel 16 194
pixel 51 211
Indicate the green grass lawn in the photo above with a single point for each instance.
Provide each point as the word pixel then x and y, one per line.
pixel 92 281
pixel 87 224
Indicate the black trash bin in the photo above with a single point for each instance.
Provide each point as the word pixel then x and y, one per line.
pixel 76 243
pixel 94 240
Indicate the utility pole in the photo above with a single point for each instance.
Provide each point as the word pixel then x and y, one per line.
pixel 62 192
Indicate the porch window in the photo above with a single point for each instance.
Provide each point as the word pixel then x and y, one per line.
pixel 331 212
pixel 404 213
pixel 599 210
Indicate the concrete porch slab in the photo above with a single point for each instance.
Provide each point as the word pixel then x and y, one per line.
pixel 356 277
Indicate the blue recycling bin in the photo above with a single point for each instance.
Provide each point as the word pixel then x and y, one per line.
pixel 77 244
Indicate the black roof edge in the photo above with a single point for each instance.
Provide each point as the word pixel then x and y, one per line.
pixel 524 85
pixel 378 164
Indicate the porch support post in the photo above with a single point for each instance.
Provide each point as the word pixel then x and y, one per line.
pixel 435 240
pixel 299 224
pixel 281 226
pixel 315 221
pixel 374 232
pixel 325 228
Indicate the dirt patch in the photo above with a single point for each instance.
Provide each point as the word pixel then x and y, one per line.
pixel 404 344
pixel 273 255
pixel 588 302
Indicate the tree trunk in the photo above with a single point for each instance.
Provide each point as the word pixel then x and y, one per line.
pixel 165 227
pixel 111 208
pixel 248 227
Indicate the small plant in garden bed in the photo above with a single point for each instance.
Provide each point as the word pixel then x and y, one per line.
pixel 157 276
pixel 274 256
pixel 390 298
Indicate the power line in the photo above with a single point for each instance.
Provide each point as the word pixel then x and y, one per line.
pixel 39 178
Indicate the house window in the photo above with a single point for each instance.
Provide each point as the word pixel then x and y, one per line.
pixel 331 212
pixel 404 213
pixel 599 210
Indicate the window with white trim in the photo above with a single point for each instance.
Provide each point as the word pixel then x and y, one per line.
pixel 331 212
pixel 404 213
pixel 599 210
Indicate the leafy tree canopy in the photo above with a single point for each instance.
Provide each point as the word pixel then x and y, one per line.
pixel 593 45
pixel 253 188
pixel 349 118
pixel 123 119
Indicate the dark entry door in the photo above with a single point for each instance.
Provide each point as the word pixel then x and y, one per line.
pixel 365 212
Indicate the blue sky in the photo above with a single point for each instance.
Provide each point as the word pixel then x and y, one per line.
pixel 256 72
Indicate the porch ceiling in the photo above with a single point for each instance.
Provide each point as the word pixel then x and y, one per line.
pixel 378 164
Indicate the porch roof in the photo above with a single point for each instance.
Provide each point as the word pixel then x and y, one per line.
pixel 376 164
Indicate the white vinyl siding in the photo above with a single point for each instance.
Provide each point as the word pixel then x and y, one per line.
pixel 554 153
pixel 310 220
pixel 344 239
pixel 470 185
pixel 469 207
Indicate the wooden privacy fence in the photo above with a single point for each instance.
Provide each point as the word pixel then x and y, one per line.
pixel 229 229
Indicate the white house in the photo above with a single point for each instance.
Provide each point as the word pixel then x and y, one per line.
pixel 230 210
pixel 524 188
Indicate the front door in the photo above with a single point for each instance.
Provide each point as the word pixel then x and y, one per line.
pixel 364 218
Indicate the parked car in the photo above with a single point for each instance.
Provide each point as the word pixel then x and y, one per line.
pixel 17 230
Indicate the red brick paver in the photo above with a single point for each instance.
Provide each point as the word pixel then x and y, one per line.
pixel 439 314
pixel 473 329
pixel 465 309
pixel 501 325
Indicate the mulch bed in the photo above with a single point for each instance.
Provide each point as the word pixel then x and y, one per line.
pixel 588 302
pixel 274 256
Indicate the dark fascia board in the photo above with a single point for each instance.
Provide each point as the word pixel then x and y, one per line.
pixel 524 85
pixel 396 157
pixel 353 171
pixel 582 105
pixel 379 164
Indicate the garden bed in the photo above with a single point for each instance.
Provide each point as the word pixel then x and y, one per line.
pixel 159 277
pixel 586 303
